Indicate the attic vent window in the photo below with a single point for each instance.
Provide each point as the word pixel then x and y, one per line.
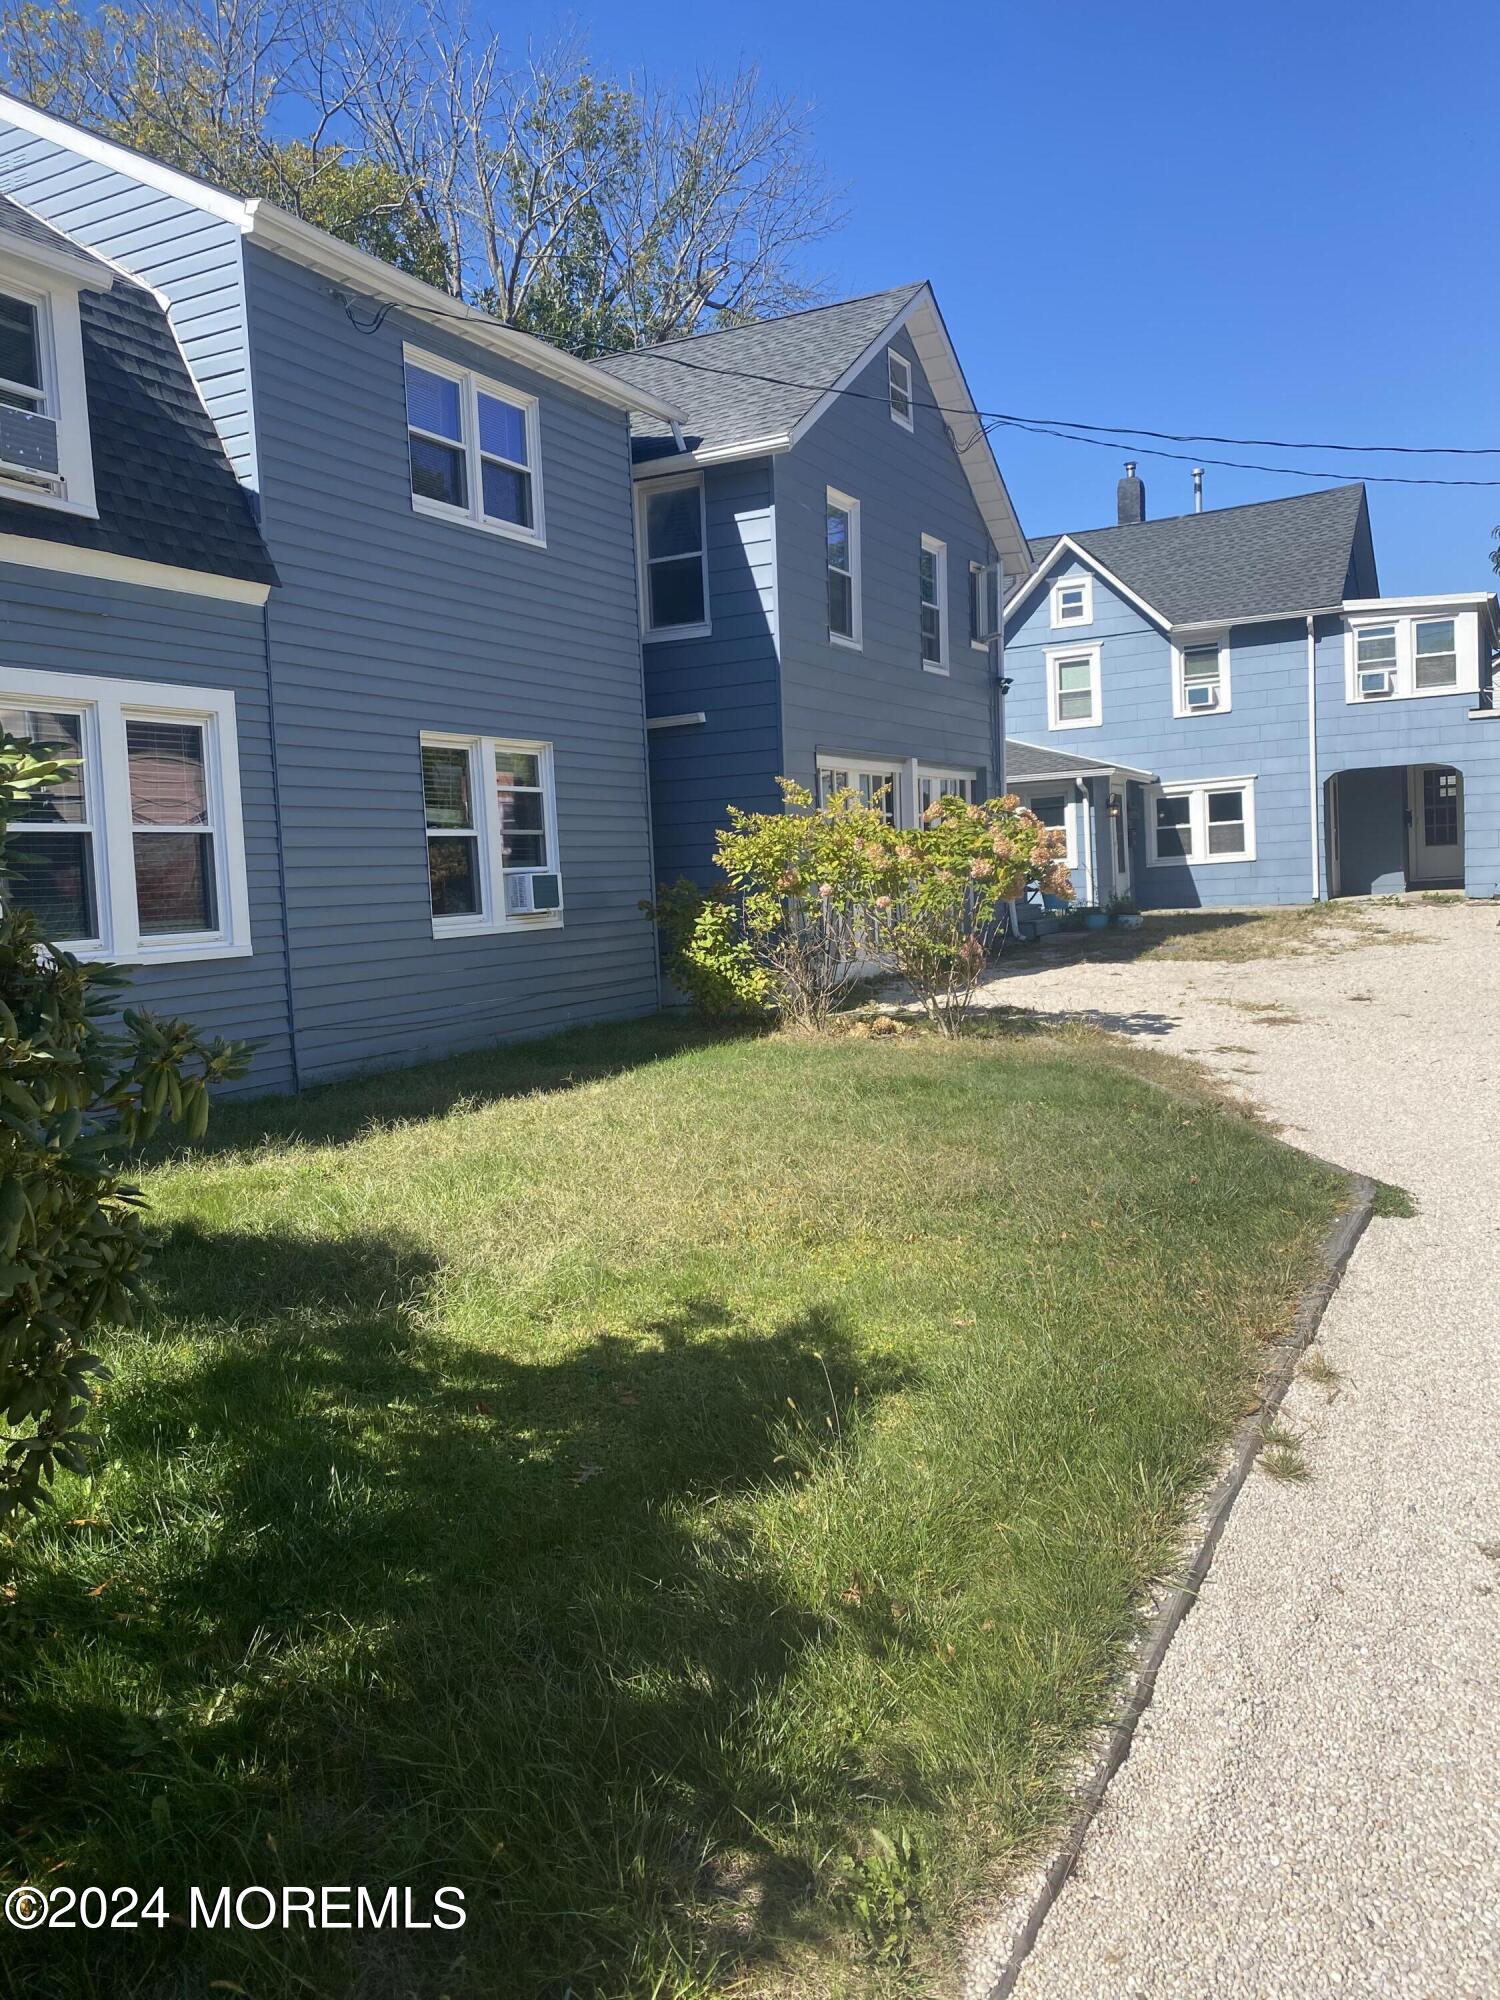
pixel 900 380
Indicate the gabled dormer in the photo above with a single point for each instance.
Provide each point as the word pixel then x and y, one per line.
pixel 46 457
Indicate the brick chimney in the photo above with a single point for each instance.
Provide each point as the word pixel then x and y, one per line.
pixel 1130 498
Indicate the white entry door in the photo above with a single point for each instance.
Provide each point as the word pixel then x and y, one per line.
pixel 1435 797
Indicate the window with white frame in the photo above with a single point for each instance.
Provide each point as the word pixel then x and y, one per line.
pixel 1404 656
pixel 474 449
pixel 1052 809
pixel 933 591
pixel 982 588
pixel 1072 601
pixel 45 454
pixel 1200 671
pixel 898 370
pixel 137 851
pixel 491 825
pixel 1073 700
pixel 674 558
pixel 1212 820
pixel 934 785
pixel 841 539
pixel 877 784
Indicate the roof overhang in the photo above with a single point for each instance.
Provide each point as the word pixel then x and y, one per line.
pixel 314 248
pixel 77 266
pixel 1065 545
pixel 935 351
pixel 1077 767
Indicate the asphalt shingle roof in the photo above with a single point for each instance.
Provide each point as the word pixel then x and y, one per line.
pixel 20 222
pixel 1300 554
pixel 1034 760
pixel 724 410
pixel 165 490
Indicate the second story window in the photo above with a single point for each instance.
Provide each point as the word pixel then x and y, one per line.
pixel 674 558
pixel 841 535
pixel 21 383
pixel 899 373
pixel 45 453
pixel 1073 688
pixel 1403 655
pixel 1200 678
pixel 473 448
pixel 1435 654
pixel 933 585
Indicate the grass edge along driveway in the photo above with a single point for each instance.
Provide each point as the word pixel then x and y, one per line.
pixel 690 1494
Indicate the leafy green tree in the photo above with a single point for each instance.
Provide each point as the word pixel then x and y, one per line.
pixel 73 1236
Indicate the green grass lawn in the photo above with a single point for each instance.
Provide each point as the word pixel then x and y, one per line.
pixel 617 1476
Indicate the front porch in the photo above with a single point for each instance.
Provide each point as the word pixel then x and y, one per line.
pixel 1098 805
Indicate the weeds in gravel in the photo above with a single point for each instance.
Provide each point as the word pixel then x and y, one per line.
pixel 1281 1455
pixel 1315 1367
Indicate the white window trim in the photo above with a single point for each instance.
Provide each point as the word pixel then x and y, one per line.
pixel 1198 791
pixel 895 360
pixel 1074 807
pixel 659 633
pixel 937 774
pixel 1086 585
pixel 65 394
pixel 1465 643
pixel 933 547
pixel 470 386
pixel 492 916
pixel 980 570
pixel 1180 647
pixel 850 506
pixel 903 797
pixel 1095 716
pixel 105 706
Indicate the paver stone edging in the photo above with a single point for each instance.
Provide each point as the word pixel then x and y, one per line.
pixel 1333 1255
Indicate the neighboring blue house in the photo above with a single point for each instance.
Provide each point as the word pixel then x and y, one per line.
pixel 1221 709
pixel 816 545
pixel 438 702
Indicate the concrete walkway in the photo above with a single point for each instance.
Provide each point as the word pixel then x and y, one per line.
pixel 1312 1803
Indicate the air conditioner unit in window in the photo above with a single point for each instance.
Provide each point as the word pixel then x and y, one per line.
pixel 532 895
pixel 1376 682
pixel 28 449
pixel 1203 694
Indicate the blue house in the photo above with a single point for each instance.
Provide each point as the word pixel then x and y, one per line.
pixel 1221 709
pixel 816 543
pixel 370 555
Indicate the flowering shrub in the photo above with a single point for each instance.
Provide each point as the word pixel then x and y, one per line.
pixel 942 888
pixel 73 1239
pixel 824 893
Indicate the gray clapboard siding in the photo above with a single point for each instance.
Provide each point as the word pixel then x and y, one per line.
pixel 878 701
pixel 191 256
pixel 733 757
pixel 387 623
pixel 79 625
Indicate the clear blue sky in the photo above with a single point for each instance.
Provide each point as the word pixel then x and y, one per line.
pixel 1274 221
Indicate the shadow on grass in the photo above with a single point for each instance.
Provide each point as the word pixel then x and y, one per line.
pixel 380 1606
pixel 344 1112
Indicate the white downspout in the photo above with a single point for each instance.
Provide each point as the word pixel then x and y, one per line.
pixel 1312 759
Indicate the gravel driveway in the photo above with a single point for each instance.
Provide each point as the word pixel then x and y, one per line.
pixel 1312 1803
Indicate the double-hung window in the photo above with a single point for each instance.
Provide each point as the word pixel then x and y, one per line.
pixel 491 822
pixel 932 575
pixel 1073 698
pixel 841 538
pixel 1213 820
pixel 1375 662
pixel 45 454
pixel 474 449
pixel 1200 677
pixel 673 536
pixel 1400 656
pixel 898 374
pixel 1434 654
pixel 137 851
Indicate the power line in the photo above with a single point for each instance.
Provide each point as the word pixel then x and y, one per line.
pixel 1051 427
